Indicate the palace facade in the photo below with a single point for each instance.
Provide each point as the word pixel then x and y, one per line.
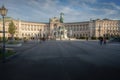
pixel 91 28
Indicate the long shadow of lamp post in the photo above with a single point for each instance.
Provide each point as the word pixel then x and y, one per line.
pixel 3 12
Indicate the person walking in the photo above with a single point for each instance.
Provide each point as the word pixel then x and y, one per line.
pixel 104 40
pixel 101 40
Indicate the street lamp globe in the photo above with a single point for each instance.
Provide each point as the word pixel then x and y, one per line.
pixel 3 11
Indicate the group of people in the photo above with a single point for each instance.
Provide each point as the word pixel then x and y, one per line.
pixel 102 40
pixel 42 39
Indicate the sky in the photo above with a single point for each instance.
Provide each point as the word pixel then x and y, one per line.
pixel 74 10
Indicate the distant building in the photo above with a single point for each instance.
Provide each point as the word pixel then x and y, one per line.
pixel 92 28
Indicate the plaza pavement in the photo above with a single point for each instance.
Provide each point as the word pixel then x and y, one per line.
pixel 64 60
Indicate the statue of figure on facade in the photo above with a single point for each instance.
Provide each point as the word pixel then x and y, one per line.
pixel 62 32
pixel 59 31
pixel 65 34
pixel 62 27
pixel 61 17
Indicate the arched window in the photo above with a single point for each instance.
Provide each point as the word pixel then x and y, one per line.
pixel 55 26
pixel 23 34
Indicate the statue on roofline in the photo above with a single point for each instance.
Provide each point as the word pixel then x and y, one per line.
pixel 61 17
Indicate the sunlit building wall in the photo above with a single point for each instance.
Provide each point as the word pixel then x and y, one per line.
pixel 92 28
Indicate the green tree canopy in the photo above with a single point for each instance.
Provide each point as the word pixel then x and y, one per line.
pixel 12 28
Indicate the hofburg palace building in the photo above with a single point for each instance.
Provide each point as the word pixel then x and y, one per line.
pixel 90 29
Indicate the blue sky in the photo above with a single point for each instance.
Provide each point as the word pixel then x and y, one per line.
pixel 74 10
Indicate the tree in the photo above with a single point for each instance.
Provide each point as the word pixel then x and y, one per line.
pixel 12 29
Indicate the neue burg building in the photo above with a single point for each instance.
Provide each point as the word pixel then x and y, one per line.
pixel 90 29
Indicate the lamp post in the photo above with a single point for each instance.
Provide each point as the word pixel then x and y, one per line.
pixel 3 12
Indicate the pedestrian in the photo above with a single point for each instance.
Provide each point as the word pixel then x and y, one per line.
pixel 104 40
pixel 101 40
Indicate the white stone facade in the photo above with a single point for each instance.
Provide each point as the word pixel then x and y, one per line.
pixel 92 28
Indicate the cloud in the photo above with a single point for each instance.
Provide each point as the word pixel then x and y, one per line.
pixel 84 9
pixel 113 5
pixel 80 2
pixel 78 10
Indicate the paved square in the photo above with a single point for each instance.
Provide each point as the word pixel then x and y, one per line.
pixel 64 60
